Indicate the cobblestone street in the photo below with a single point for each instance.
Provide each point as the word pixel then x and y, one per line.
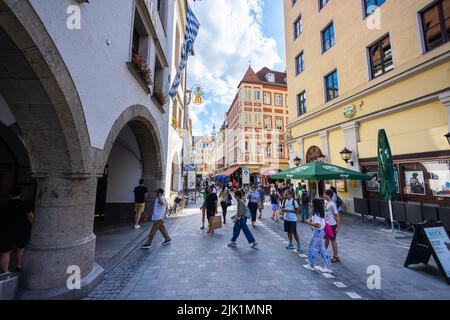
pixel 201 267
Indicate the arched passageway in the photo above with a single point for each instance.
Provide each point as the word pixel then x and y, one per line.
pixel 39 93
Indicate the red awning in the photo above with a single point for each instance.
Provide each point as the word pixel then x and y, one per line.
pixel 269 172
pixel 230 171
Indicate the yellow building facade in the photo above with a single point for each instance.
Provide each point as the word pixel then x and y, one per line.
pixel 353 69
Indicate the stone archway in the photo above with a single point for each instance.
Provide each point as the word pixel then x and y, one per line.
pixel 41 95
pixel 136 132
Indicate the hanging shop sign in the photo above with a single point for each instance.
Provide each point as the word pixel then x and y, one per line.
pixel 197 94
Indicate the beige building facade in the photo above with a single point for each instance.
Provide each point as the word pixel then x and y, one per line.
pixel 353 69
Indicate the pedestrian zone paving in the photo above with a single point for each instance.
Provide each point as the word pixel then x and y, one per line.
pixel 198 266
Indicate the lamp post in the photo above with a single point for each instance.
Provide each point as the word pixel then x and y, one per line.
pixel 297 161
pixel 321 158
pixel 346 155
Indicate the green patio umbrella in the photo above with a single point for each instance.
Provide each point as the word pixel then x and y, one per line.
pixel 320 171
pixel 388 187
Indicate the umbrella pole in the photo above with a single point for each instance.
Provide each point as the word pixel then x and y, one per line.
pixel 392 215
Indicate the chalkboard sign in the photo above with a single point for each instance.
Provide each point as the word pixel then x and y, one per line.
pixel 430 239
pixel 439 241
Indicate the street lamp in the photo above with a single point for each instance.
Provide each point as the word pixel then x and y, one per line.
pixel 297 161
pixel 448 137
pixel 346 155
pixel 321 158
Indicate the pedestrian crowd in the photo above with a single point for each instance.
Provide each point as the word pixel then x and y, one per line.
pixel 288 203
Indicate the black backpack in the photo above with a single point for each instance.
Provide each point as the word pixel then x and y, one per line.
pixel 305 197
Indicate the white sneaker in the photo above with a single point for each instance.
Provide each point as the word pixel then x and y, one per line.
pixel 309 267
pixel 318 268
pixel 137 226
pixel 326 270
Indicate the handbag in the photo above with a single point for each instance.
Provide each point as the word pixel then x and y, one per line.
pixel 328 231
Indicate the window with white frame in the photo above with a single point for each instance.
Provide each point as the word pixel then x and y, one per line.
pixel 280 150
pixel 257 95
pixel 278 99
pixel 267 98
pixel 279 123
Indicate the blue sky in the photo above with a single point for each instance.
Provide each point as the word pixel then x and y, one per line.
pixel 232 32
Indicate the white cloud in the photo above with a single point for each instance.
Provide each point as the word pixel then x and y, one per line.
pixel 230 35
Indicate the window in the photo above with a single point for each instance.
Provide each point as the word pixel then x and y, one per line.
pixel 371 5
pixel 247 94
pixel 162 9
pixel 331 86
pixel 328 39
pixel 247 118
pixel 269 151
pixel 140 40
pixel 279 123
pixel 267 98
pixel 299 64
pixel 301 103
pixel 278 99
pixel 322 3
pixel 258 119
pixel 270 77
pixel 280 150
pixel 159 76
pixel 268 122
pixel 257 95
pixel 298 27
pixel 436 24
pixel 380 55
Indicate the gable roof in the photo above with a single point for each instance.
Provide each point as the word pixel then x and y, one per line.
pixel 260 77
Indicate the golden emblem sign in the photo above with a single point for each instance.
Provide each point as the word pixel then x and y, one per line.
pixel 197 94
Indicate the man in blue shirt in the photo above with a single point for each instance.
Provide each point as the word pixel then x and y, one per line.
pixel 262 195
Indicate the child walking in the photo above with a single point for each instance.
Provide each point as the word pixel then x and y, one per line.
pixel 317 221
pixel 275 205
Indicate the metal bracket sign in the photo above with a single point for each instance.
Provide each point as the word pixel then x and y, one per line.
pixel 245 176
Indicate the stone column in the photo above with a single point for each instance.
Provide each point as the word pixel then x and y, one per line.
pixel 351 134
pixel 325 145
pixel 62 232
pixel 301 149
pixel 445 100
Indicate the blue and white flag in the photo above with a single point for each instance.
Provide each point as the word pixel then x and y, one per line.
pixel 192 26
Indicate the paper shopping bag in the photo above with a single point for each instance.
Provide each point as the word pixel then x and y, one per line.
pixel 216 222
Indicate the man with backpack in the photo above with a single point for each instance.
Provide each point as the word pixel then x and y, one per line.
pixel 290 209
pixel 305 199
